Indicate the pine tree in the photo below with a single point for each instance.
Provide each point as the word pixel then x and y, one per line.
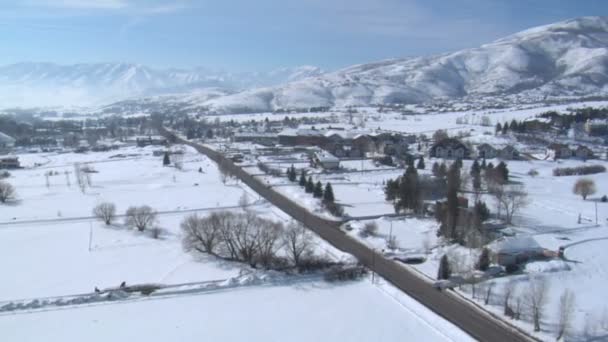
pixel 328 194
pixel 303 178
pixel 475 168
pixel 310 186
pixel 503 172
pixel 505 128
pixel 318 190
pixel 483 164
pixel 421 165
pixel 498 128
pixel 484 260
pixel 291 174
pixel 514 127
pixel 166 160
pixel 443 170
pixel 452 200
pixel 444 271
pixel 435 169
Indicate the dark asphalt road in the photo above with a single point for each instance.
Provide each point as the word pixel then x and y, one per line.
pixel 476 323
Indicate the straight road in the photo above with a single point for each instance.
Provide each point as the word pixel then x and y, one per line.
pixel 478 324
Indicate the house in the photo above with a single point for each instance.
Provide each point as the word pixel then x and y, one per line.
pixel 392 144
pixel 326 160
pixel 596 127
pixel 583 152
pixel 9 163
pixel 486 151
pixel 508 153
pixel 364 143
pixel 267 139
pixel 449 148
pixel 305 137
pixel 559 151
pixel 517 250
pixel 150 140
pixel 6 141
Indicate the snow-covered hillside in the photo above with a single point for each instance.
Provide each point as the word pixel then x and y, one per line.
pixel 568 58
pixel 48 84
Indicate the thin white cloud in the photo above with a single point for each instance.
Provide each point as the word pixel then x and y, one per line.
pixel 80 4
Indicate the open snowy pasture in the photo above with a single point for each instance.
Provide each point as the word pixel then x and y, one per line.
pixel 305 311
pixel 129 176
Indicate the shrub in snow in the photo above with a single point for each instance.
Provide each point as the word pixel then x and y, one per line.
pixel 579 171
pixel 105 212
pixel 370 228
pixel 7 192
pixel 345 273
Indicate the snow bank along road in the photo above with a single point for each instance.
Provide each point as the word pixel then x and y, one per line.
pixel 478 324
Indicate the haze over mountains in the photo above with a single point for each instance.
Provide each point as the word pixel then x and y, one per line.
pixel 568 58
pixel 48 84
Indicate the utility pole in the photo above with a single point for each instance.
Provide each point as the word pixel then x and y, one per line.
pixel 595 212
pixel 373 266
pixel 90 235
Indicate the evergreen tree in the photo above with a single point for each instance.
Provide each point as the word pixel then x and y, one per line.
pixel 318 190
pixel 475 168
pixel 310 186
pixel 166 160
pixel 303 178
pixel 452 200
pixel 484 260
pixel 503 172
pixel 458 163
pixel 498 128
pixel 514 127
pixel 483 164
pixel 443 170
pixel 291 173
pixel 421 165
pixel 409 191
pixel 444 271
pixel 391 190
pixel 505 128
pixel 435 169
pixel 409 160
pixel 328 194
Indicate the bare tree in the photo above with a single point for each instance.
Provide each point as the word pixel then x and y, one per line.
pixel 298 242
pixel 509 199
pixel 536 298
pixel 566 311
pixel 201 234
pixel 509 290
pixel 80 177
pixel 584 187
pixel 7 192
pixel 244 201
pixel 370 228
pixel 105 211
pixel 140 217
pixel 225 173
pixel 488 293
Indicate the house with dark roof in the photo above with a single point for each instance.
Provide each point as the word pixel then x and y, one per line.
pixel 583 152
pixel 559 151
pixel 450 148
pixel 508 153
pixel 486 151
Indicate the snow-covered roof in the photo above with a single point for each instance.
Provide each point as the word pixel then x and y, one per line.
pixel 514 244
pixel 326 157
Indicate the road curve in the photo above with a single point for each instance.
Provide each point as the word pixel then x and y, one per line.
pixel 478 324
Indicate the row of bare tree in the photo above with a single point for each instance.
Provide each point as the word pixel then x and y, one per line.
pixel 142 217
pixel 246 237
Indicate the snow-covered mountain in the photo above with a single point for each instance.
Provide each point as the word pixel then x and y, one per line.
pixel 48 84
pixel 568 58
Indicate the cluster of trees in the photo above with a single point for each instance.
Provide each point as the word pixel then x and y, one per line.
pixel 326 194
pixel 405 191
pixel 531 299
pixel 514 126
pixel 579 171
pixel 142 218
pixel 246 237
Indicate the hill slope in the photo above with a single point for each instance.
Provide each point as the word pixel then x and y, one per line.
pixel 569 58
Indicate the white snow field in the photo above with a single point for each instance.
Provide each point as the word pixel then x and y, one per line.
pixel 310 311
pixel 55 254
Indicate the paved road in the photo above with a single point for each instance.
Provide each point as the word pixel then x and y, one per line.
pixel 476 323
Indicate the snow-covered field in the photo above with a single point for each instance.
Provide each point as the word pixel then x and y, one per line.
pixel 51 247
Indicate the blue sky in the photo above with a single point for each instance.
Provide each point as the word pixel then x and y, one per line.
pixel 263 34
